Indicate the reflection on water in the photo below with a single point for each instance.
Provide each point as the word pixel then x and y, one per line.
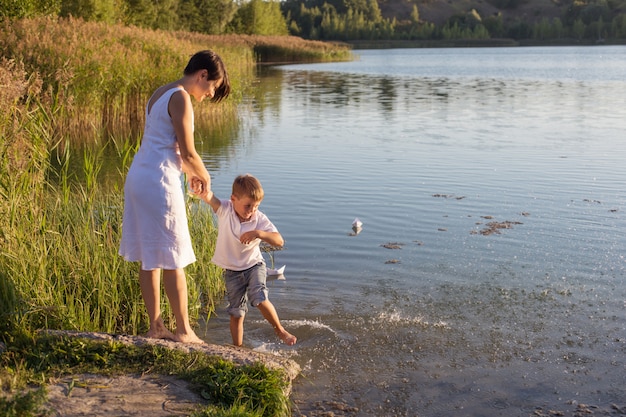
pixel 423 312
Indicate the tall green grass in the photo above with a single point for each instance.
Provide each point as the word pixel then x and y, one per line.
pixel 60 267
pixel 97 77
pixel 61 177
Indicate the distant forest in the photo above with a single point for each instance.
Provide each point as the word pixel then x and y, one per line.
pixel 588 21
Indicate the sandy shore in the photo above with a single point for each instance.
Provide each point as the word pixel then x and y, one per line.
pixel 144 395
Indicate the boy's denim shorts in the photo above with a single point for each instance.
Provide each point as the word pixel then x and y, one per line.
pixel 244 286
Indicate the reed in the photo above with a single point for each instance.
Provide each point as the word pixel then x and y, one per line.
pixel 60 227
pixel 97 77
pixel 60 267
pixel 282 49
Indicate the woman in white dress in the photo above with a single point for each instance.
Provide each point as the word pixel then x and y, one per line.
pixel 154 229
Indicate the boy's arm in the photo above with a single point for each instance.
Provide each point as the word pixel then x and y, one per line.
pixel 272 238
pixel 212 201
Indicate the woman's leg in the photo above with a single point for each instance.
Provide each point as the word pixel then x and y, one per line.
pixel 149 282
pixel 175 284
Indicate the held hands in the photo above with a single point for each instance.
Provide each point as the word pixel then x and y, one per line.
pixel 198 187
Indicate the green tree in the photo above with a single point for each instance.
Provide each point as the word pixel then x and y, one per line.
pixel 109 11
pixel 355 5
pixel 220 13
pixel 453 31
pixel 161 14
pixel 578 29
pixel 596 29
pixel 188 15
pixel 520 30
pixel 618 26
pixel 480 32
pixel 425 31
pixel 415 14
pixel 542 29
pixel 259 17
pixel 494 25
pixel 372 12
pixel 205 16
pixel 140 13
pixel 557 28
pixel 308 20
pixel 595 11
pixel 166 16
pixel 386 28
pixel 29 8
pixel 328 27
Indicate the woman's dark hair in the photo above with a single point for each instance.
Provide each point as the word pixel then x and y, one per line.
pixel 210 61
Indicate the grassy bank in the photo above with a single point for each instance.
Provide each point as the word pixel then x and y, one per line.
pixel 246 390
pixel 73 95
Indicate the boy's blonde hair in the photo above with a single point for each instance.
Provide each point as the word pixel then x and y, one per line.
pixel 247 185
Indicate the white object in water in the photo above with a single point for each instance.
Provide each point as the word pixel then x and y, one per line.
pixel 276 273
pixel 356 227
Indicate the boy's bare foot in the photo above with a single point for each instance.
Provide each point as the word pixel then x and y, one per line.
pixel 287 338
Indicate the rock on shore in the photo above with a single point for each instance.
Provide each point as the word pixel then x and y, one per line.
pixel 145 395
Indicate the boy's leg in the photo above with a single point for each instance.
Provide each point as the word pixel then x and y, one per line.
pixel 150 284
pixel 269 312
pixel 175 284
pixel 237 303
pixel 257 291
pixel 236 330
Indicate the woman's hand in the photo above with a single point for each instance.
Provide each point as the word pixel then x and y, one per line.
pixel 197 186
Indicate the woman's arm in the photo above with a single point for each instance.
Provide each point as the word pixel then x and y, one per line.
pixel 181 112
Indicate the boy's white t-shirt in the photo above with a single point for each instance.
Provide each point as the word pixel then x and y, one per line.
pixel 230 253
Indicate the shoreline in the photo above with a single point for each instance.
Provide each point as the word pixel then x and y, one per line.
pixel 474 43
pixel 239 356
pixel 145 394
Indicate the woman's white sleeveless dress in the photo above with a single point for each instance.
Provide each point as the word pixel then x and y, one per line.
pixel 155 229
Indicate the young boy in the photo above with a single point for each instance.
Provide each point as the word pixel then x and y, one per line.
pixel 241 228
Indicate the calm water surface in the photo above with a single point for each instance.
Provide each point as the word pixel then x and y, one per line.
pixel 432 310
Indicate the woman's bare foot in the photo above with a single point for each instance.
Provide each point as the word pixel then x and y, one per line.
pixel 160 332
pixel 190 338
pixel 287 338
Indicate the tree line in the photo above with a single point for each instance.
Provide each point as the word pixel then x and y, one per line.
pixel 334 20
pixel 212 17
pixel 348 20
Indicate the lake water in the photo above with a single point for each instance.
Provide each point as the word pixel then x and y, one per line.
pixel 489 275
